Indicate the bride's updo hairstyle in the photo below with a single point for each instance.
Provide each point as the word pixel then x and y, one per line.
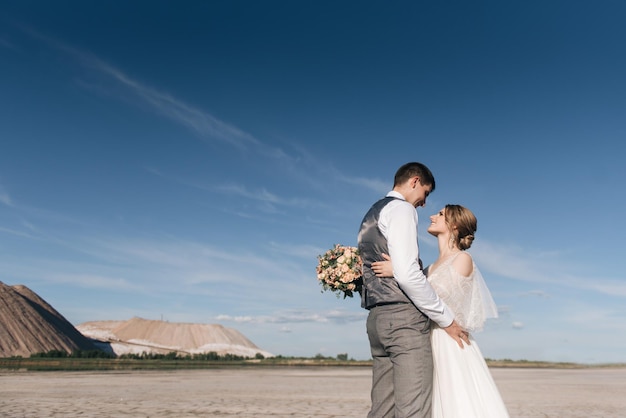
pixel 465 223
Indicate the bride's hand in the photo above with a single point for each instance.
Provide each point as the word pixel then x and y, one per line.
pixel 383 268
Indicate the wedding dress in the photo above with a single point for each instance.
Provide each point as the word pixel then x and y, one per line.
pixel 463 386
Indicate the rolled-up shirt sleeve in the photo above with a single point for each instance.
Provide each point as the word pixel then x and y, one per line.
pixel 398 223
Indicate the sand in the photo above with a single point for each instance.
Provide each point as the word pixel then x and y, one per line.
pixel 285 392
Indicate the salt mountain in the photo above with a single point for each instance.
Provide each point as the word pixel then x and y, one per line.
pixel 28 325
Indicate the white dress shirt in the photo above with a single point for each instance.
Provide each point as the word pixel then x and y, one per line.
pixel 398 224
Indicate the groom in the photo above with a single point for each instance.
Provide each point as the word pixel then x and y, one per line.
pixel 400 310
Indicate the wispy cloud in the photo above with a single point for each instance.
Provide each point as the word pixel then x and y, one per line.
pixel 306 252
pixel 376 185
pixel 171 253
pixel 536 293
pixel 294 317
pixel 204 124
pixel 615 287
pixel 94 282
pixel 588 315
pixel 265 196
pixel 17 233
pixel 270 203
pixel 4 197
pixel 4 43
pixel 539 268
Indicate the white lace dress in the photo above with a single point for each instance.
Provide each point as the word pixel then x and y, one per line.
pixel 463 386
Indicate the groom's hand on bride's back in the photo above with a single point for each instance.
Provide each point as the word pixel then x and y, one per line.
pixel 458 334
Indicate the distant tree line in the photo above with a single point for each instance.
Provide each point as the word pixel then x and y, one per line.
pixel 74 354
pixel 173 355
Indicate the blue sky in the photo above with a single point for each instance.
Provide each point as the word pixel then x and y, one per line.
pixel 188 161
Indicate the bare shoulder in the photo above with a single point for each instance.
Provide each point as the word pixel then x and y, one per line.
pixel 463 264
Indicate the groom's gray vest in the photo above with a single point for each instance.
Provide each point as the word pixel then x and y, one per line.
pixel 372 244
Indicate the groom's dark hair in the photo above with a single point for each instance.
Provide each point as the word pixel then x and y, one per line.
pixel 414 169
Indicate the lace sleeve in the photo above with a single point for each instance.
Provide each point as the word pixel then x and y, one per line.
pixel 468 297
pixel 482 305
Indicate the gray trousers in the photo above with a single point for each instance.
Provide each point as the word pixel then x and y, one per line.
pixel 402 374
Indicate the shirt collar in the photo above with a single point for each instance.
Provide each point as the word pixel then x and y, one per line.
pixel 395 194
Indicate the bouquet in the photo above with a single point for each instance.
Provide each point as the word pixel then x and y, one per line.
pixel 339 270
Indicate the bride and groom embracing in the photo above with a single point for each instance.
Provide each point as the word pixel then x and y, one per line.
pixel 425 362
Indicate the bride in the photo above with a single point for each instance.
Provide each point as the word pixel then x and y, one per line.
pixel 462 385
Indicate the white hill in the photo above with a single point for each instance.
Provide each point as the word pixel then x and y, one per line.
pixel 138 335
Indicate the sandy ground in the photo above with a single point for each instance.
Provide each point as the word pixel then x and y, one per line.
pixel 284 392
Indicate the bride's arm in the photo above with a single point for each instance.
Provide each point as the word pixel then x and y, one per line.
pixel 385 268
pixel 463 264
